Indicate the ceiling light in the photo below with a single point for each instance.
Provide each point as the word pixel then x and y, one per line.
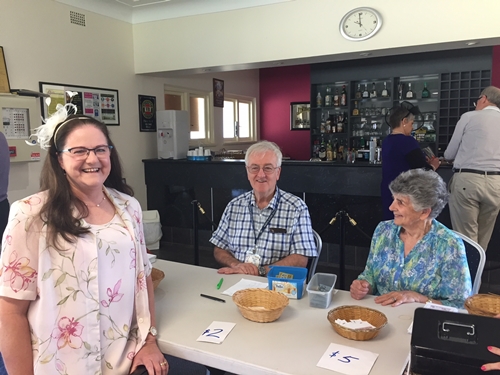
pixel 470 43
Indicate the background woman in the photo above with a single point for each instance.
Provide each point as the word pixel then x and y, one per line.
pixel 401 152
pixel 414 258
pixel 76 295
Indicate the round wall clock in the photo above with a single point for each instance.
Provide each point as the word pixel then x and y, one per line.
pixel 360 24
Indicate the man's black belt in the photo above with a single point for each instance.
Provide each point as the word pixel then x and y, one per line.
pixel 476 171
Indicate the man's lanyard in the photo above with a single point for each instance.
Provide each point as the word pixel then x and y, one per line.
pixel 270 217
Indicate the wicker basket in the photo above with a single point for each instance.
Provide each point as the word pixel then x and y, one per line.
pixel 157 276
pixel 260 305
pixel 483 304
pixel 374 317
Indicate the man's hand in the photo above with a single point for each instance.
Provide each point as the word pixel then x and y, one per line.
pixel 240 268
pixel 360 288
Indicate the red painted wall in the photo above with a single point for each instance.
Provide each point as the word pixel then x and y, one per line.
pixel 495 68
pixel 279 87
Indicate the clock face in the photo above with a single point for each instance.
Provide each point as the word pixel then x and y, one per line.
pixel 360 24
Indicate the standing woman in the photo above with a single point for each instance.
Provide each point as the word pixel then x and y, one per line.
pixel 76 295
pixel 401 152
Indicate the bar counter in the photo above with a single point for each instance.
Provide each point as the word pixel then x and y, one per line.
pixel 326 187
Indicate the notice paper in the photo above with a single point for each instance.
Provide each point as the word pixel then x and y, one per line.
pixel 216 332
pixel 347 360
pixel 244 284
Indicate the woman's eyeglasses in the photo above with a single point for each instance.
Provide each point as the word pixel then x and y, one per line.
pixel 80 153
pixel 254 169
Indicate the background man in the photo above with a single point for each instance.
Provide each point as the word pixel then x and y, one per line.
pixel 266 225
pixel 475 186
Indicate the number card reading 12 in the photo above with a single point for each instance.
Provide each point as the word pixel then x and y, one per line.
pixel 216 332
pixel 347 360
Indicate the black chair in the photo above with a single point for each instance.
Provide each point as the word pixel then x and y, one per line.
pixel 476 257
pixel 313 262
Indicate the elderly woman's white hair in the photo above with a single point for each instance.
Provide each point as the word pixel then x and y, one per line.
pixel 426 189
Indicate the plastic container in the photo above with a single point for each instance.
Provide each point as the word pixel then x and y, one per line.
pixel 320 289
pixel 290 287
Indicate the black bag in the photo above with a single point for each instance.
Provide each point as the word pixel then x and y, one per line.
pixel 445 342
pixel 140 370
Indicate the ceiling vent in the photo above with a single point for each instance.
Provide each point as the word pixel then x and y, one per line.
pixel 77 18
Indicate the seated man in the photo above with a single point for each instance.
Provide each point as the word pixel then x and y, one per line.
pixel 266 226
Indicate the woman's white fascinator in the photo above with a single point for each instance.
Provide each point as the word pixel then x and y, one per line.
pixel 44 132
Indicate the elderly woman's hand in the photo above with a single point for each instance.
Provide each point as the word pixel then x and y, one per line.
pixel 399 297
pixel 360 288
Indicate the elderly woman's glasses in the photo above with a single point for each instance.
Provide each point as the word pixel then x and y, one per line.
pixel 254 169
pixel 80 153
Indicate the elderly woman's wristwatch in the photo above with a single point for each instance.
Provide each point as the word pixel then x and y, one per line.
pixel 262 271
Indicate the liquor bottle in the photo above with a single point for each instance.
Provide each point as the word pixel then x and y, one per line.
pixel 365 94
pixel 333 120
pixel 343 97
pixel 362 143
pixel 328 124
pixel 322 149
pixel 340 151
pixel 319 100
pixel 410 94
pixel 336 98
pixel 334 149
pixel 400 90
pixel 357 95
pixel 329 151
pixel 355 111
pixel 340 123
pixel 373 93
pixel 328 97
pixel 322 128
pixel 425 92
pixel 385 93
pixel 420 134
pixel 315 152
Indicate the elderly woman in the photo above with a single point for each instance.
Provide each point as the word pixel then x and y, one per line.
pixel 414 258
pixel 401 152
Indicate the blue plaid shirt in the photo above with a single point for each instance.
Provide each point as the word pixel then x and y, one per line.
pixel 236 234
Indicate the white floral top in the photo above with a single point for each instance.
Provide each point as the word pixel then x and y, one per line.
pixel 82 319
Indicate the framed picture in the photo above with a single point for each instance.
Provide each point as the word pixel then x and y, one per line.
pixel 218 93
pixel 103 104
pixel 147 113
pixel 300 115
pixel 4 76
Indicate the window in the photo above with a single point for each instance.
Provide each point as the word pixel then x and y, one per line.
pixel 239 123
pixel 197 103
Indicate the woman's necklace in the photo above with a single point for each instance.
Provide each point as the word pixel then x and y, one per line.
pixel 398 133
pixel 99 204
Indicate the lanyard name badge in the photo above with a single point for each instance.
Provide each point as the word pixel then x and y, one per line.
pixel 252 256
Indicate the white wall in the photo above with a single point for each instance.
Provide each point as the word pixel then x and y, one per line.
pixel 308 28
pixel 41 44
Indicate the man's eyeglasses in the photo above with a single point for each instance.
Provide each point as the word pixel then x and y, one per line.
pixel 80 153
pixel 254 169
pixel 478 99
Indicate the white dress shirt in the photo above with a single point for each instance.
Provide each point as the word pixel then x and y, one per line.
pixel 475 143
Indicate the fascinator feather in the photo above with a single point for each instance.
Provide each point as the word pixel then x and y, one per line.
pixel 43 134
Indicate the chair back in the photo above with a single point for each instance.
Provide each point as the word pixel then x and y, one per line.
pixel 313 262
pixel 476 257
